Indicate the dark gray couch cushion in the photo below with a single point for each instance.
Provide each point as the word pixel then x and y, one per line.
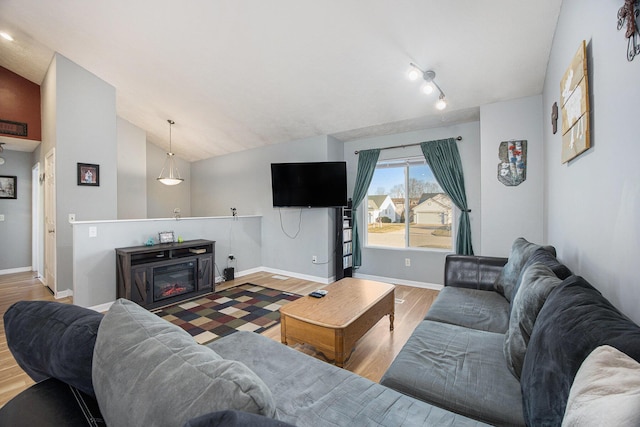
pixel 472 308
pixel 536 282
pixel 543 256
pixel 521 250
pixel 51 339
pixel 310 392
pixel 459 369
pixel 574 321
pixel 148 371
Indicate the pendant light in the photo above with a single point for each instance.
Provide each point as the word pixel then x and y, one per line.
pixel 173 178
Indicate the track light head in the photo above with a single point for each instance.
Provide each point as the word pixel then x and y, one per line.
pixel 429 85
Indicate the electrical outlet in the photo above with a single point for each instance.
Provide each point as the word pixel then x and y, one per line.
pixel 231 257
pixel 93 231
pixel 314 259
pixel 407 262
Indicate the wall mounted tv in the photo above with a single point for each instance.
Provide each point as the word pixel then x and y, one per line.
pixel 312 185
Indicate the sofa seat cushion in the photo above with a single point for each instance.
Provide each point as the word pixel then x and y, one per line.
pixel 459 369
pixel 521 250
pixel 310 392
pixel 574 321
pixel 471 308
pixel 53 340
pixel 149 372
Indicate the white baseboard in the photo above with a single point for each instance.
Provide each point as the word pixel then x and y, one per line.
pixel 15 270
pixel 105 307
pixel 394 281
pixel 323 280
pixel 101 308
pixel 63 294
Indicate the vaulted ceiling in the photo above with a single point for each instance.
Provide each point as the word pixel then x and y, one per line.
pixel 239 74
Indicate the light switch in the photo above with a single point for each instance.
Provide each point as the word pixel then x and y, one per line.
pixel 93 231
pixel 1 217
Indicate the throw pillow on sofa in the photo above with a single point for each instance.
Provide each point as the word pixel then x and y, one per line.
pixel 574 321
pixel 543 256
pixel 521 250
pixel 536 282
pixel 606 391
pixel 148 371
pixel 52 339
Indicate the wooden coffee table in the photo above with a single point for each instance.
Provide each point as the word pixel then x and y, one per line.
pixel 332 324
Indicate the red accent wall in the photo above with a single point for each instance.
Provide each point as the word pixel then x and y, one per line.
pixel 20 102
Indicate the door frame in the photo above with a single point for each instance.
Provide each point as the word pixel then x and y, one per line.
pixel 37 221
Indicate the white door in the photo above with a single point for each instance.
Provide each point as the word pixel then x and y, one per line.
pixel 50 220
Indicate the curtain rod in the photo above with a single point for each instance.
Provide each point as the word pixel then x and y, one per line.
pixel 459 138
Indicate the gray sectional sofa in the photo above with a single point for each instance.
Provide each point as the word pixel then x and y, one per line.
pixel 501 345
pixel 505 338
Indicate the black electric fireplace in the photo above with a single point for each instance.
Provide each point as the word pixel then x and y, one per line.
pixel 159 275
pixel 174 280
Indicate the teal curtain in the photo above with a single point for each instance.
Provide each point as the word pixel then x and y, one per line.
pixel 367 161
pixel 444 160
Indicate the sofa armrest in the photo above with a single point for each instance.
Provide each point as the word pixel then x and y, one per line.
pixel 470 271
pixel 51 403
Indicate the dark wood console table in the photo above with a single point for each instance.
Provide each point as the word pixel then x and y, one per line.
pixel 163 274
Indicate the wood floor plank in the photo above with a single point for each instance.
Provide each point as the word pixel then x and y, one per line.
pixel 373 353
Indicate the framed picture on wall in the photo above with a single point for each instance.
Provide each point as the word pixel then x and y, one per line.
pixel 88 174
pixel 8 187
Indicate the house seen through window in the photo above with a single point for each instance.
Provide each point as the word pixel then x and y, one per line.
pixel 407 208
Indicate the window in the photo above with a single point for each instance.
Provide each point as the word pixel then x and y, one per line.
pixel 406 208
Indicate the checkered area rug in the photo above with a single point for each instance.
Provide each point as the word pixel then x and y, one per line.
pixel 245 307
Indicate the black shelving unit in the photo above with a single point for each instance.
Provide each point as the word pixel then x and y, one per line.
pixel 344 244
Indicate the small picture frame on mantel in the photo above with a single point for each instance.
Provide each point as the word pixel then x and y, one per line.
pixel 88 174
pixel 166 237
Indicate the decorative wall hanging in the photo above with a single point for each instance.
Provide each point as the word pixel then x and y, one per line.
pixel 88 174
pixel 574 100
pixel 7 127
pixel 629 14
pixel 512 169
pixel 8 187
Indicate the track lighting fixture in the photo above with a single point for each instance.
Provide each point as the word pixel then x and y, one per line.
pixel 429 84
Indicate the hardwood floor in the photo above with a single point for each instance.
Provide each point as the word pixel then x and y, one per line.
pixel 371 358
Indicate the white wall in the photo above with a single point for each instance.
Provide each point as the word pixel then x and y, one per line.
pixel 79 120
pixel 94 275
pixel 593 202
pixel 163 199
pixel 427 266
pixel 132 171
pixel 511 212
pixel 243 180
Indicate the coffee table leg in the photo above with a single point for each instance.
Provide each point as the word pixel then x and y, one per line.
pixel 391 318
pixel 283 329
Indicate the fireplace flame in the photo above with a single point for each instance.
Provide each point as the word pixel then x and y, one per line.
pixel 174 289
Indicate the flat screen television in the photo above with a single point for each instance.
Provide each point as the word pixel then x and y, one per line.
pixel 312 185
